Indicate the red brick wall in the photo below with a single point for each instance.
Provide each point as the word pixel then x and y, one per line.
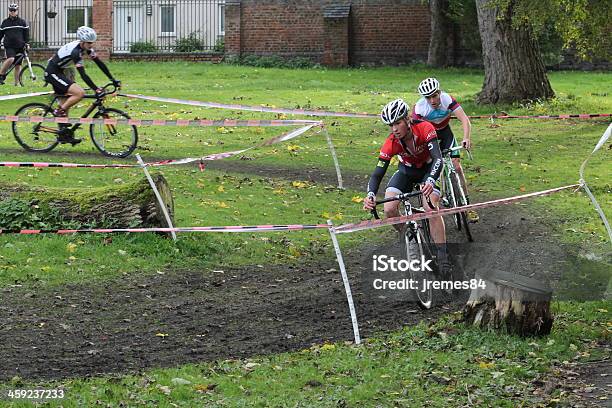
pixel 380 31
pixel 102 21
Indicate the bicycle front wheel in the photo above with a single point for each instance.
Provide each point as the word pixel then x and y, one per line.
pixel 35 136
pixel 114 140
pixel 34 79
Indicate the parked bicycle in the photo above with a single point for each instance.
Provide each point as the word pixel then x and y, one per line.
pixel 32 76
pixel 416 243
pixel 453 194
pixel 112 140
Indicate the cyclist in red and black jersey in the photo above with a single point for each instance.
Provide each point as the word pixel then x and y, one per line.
pixel 420 161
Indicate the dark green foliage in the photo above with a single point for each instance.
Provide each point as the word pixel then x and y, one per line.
pixel 272 61
pixel 143 46
pixel 190 43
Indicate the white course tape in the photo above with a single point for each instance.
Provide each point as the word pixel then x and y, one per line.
pixel 333 153
pixel 347 285
pixel 162 205
pixel 584 185
pixel 18 96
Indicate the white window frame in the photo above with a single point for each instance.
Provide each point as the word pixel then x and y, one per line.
pixel 222 18
pixel 85 16
pixel 167 33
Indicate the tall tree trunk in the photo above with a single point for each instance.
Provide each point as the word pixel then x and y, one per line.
pixel 438 41
pixel 514 70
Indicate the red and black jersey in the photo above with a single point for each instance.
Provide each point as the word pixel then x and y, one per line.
pixel 412 154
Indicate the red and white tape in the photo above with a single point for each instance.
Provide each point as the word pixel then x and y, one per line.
pixel 365 225
pixel 160 122
pixel 234 228
pixel 364 115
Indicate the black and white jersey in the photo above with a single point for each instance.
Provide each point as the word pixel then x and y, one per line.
pixel 15 32
pixel 69 54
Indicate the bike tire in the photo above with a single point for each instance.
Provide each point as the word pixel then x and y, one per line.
pixel 416 248
pixel 32 82
pixel 106 142
pixel 22 129
pixel 463 215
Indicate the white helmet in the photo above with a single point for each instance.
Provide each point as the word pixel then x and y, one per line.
pixel 86 34
pixel 394 111
pixel 429 86
pixel 13 6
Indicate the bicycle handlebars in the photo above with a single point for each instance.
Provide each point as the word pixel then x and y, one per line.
pixel 400 197
pixel 453 149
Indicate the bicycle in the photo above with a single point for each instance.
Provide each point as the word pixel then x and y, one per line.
pixel 111 140
pixel 32 76
pixel 416 243
pixel 452 191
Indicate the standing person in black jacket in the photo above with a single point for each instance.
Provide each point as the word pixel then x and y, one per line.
pixel 16 34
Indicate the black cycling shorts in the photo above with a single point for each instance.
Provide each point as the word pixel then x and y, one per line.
pixel 12 52
pixel 447 140
pixel 59 82
pixel 404 179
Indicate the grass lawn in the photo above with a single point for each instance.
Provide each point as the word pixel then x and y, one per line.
pixel 408 368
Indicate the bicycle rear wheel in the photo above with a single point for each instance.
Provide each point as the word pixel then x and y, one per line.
pixel 117 140
pixel 32 80
pixel 461 201
pixel 35 136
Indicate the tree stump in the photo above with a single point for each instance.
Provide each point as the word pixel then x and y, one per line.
pixel 510 303
pixel 119 206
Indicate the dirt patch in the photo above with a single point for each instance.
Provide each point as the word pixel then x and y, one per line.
pixel 178 317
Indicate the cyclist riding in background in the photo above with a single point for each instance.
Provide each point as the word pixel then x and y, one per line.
pixel 69 54
pixel 420 161
pixel 436 107
pixel 16 34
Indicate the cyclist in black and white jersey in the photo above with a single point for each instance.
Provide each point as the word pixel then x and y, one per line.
pixel 67 56
pixel 15 33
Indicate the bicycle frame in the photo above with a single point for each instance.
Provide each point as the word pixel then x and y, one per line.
pixel 97 104
pixel 448 170
pixel 18 60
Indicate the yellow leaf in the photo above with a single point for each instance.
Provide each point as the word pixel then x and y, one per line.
pixel 293 148
pixel 161 334
pixel 357 199
pixel 221 189
pixel 293 251
pixel 326 215
pixel 522 188
pixel 71 247
pixel 222 204
pixel 486 366
pixel 328 347
pixel 299 184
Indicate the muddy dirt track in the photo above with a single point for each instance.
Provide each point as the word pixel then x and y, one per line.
pixel 166 319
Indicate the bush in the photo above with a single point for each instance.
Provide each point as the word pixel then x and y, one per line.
pixel 143 46
pixel 219 45
pixel 190 43
pixel 272 61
